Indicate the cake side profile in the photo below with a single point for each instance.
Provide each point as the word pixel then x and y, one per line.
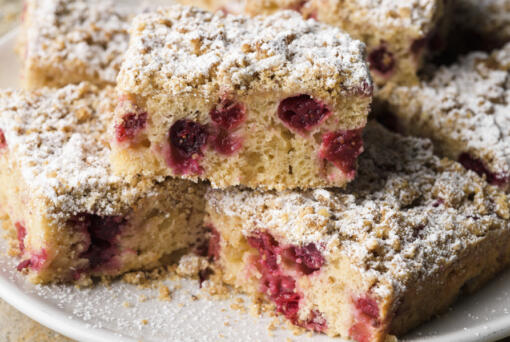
pixel 69 217
pixel 464 109
pixel 394 248
pixel 275 102
pixel 69 41
pixel 399 34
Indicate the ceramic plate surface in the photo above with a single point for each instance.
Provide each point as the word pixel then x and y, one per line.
pixel 123 312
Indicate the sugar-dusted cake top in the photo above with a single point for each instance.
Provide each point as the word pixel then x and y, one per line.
pixel 387 14
pixel 179 50
pixel 91 34
pixel 406 215
pixel 391 13
pixel 469 102
pixel 58 141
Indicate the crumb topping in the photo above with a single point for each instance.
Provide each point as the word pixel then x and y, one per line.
pixel 179 50
pixel 57 139
pixel 391 13
pixel 407 215
pixel 90 33
pixel 385 15
pixel 468 103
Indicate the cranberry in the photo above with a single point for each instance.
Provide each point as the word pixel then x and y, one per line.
pixel 360 332
pixel 3 141
pixel 131 124
pixel 302 113
pixel 367 306
pixel 103 232
pixel 225 143
pixel 21 232
pixel 24 264
pixel 316 322
pixel 213 250
pixel 36 261
pixel 228 114
pixel 280 287
pixel 479 167
pixel 381 60
pixel 308 258
pixel 342 148
pixel 203 275
pixel 438 202
pixel 187 139
pixel 367 317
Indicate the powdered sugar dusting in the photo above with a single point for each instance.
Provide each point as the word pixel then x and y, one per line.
pixel 183 49
pixel 391 13
pixel 418 212
pixel 82 33
pixel 58 141
pixel 464 108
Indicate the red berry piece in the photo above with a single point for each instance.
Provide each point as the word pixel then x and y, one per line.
pixel 360 332
pixel 203 275
pixel 21 233
pixel 131 124
pixel 316 322
pixel 225 143
pixel 102 234
pixel 213 250
pixel 228 114
pixel 381 60
pixel 367 306
pixel 187 140
pixel 476 165
pixel 342 148
pixel 36 261
pixel 309 257
pixel 3 141
pixel 302 113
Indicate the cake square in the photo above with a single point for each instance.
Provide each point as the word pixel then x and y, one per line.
pixel 68 216
pixel 394 248
pixel 275 102
pixel 399 34
pixel 69 41
pixel 464 109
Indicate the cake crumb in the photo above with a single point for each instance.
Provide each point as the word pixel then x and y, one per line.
pixel 164 293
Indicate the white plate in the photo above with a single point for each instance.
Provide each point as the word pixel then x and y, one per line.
pixel 99 313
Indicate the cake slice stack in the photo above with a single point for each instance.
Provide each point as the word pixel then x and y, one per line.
pixel 247 132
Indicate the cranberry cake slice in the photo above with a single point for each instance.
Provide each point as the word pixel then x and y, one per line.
pixel 69 41
pixel 69 217
pixel 275 102
pixel 464 109
pixel 399 33
pixel 395 247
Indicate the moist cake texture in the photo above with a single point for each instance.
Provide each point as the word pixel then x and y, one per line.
pixel 69 217
pixel 399 34
pixel 69 41
pixel 464 109
pixel 275 102
pixel 395 247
